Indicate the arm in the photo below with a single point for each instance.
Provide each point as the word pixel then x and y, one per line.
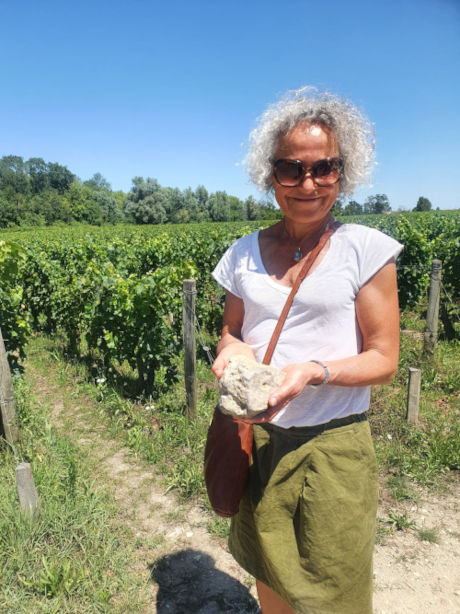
pixel 230 342
pixel 378 318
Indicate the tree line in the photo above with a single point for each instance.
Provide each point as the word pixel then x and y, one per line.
pixel 37 193
pixel 377 203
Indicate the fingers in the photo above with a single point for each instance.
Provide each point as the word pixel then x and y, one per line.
pixel 295 381
pixel 219 366
pixel 281 396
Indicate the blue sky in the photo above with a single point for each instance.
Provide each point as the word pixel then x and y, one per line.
pixel 172 89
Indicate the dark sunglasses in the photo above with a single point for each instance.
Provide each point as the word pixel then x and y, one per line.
pixel 291 173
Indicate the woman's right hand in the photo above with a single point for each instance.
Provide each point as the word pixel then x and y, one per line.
pixel 232 349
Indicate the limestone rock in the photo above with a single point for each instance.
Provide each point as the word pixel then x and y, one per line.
pixel 246 385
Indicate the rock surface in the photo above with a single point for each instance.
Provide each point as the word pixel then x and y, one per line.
pixel 246 385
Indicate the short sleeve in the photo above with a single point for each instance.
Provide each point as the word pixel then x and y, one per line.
pixel 225 272
pixel 376 250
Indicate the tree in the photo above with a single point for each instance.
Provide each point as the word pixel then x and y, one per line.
pixel 352 208
pixel 237 209
pixel 13 174
pixel 82 204
pixel 423 204
pixel 8 212
pixel 219 207
pixel 98 182
pixel 108 206
pixel 268 211
pixel 37 169
pixel 201 194
pixel 147 202
pixel 252 208
pixel 51 207
pixel 378 203
pixel 59 177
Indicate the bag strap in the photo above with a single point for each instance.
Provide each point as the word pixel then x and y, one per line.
pixel 300 277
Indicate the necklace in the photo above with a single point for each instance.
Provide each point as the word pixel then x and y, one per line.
pixel 297 255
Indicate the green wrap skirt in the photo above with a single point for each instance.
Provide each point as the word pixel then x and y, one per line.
pixel 306 524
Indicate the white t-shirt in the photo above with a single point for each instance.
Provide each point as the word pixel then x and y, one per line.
pixel 321 323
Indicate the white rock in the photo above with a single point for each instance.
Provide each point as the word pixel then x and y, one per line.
pixel 246 385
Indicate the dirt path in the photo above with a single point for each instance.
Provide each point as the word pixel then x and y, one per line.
pixel 189 572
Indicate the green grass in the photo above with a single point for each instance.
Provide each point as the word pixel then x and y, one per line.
pixel 400 522
pixel 428 535
pixel 429 451
pixel 72 556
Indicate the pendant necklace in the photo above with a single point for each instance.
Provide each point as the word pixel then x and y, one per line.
pixel 297 255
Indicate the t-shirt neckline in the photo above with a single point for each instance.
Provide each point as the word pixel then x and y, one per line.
pixel 260 264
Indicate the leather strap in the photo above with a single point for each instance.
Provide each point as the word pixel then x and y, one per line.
pixel 300 277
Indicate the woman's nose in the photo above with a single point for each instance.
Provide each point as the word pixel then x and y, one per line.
pixel 308 182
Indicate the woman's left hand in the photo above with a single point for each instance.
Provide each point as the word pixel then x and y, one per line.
pixel 298 375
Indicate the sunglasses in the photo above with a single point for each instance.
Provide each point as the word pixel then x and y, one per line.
pixel 291 173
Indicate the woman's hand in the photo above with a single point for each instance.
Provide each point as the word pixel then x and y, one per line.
pixel 229 350
pixel 298 375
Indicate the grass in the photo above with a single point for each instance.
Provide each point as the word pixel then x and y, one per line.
pixel 428 452
pixel 428 535
pixel 400 522
pixel 72 556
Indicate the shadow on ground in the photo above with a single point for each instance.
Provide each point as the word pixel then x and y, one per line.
pixel 190 584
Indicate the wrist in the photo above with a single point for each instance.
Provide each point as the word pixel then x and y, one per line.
pixel 324 376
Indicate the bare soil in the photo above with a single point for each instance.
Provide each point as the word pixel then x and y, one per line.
pixel 187 571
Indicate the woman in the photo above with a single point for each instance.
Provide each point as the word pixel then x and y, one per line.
pixel 305 528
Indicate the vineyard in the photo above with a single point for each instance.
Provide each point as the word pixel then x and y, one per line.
pixel 115 292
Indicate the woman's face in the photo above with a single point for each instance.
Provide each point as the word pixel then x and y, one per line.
pixel 306 203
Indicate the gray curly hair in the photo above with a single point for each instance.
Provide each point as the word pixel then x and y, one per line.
pixel 353 131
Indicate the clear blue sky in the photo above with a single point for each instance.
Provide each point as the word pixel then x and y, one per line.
pixel 171 89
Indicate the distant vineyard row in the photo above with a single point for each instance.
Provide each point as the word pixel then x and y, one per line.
pixel 116 292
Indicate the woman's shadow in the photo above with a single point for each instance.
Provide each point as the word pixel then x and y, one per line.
pixel 190 584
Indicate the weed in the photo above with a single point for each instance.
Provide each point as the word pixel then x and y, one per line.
pixel 400 488
pixel 383 528
pixel 56 577
pixel 219 527
pixel 428 535
pixel 178 515
pixel 400 522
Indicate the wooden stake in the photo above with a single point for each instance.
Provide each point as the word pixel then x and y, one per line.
pixel 188 323
pixel 432 316
pixel 8 409
pixel 413 395
pixel 28 496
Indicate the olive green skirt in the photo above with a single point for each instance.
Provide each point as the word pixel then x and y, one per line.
pixel 306 524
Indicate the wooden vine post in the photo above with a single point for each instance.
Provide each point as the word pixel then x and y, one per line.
pixel 413 395
pixel 8 408
pixel 432 316
pixel 188 324
pixel 28 496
